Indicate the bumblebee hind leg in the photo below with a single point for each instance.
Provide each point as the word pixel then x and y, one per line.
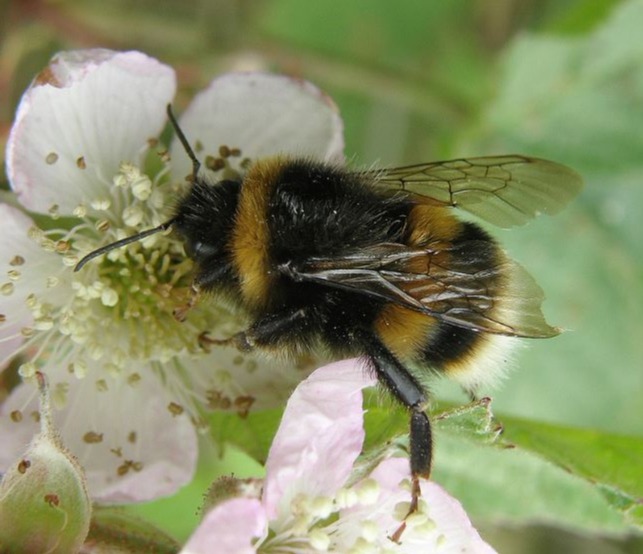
pixel 405 388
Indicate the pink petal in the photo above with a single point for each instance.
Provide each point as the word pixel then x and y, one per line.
pixel 450 519
pixel 320 435
pixel 97 107
pixel 262 114
pixel 230 528
pixel 129 443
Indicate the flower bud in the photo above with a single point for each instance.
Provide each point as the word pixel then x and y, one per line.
pixel 44 505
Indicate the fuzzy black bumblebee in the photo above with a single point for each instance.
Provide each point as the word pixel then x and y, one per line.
pixel 374 264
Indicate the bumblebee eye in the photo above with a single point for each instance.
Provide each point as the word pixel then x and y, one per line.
pixel 199 250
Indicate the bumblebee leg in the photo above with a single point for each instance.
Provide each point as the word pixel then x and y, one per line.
pixel 181 312
pixel 472 394
pixel 239 341
pixel 399 381
pixel 263 332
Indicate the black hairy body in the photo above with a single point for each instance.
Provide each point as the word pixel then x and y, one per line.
pixel 314 210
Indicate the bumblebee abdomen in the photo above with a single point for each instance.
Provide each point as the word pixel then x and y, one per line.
pixel 424 340
pixel 471 356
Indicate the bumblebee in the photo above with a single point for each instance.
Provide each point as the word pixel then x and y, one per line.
pixel 374 264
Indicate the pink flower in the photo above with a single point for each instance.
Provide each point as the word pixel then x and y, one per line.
pixel 316 497
pixel 130 382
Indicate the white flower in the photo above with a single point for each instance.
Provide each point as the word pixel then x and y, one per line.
pixel 312 500
pixel 130 381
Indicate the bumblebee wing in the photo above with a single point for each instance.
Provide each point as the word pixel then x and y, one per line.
pixel 503 190
pixel 443 283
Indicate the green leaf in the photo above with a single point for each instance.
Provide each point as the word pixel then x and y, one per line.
pixel 578 100
pixel 514 486
pixel 580 16
pixel 473 421
pixel 613 463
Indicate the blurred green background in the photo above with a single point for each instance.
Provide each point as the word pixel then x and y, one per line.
pixel 421 80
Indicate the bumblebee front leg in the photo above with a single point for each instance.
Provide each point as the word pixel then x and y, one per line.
pixel 266 331
pixel 399 381
pixel 239 341
pixel 180 313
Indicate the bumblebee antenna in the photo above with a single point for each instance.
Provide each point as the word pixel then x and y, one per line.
pixel 123 242
pixel 196 164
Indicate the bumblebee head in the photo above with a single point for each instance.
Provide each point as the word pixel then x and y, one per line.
pixel 204 219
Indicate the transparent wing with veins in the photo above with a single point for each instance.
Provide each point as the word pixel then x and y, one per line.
pixel 504 190
pixel 441 282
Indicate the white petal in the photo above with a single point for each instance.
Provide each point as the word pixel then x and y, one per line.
pixel 320 435
pixel 91 109
pixel 241 380
pixel 262 114
pixel 229 527
pixel 24 268
pixel 130 444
